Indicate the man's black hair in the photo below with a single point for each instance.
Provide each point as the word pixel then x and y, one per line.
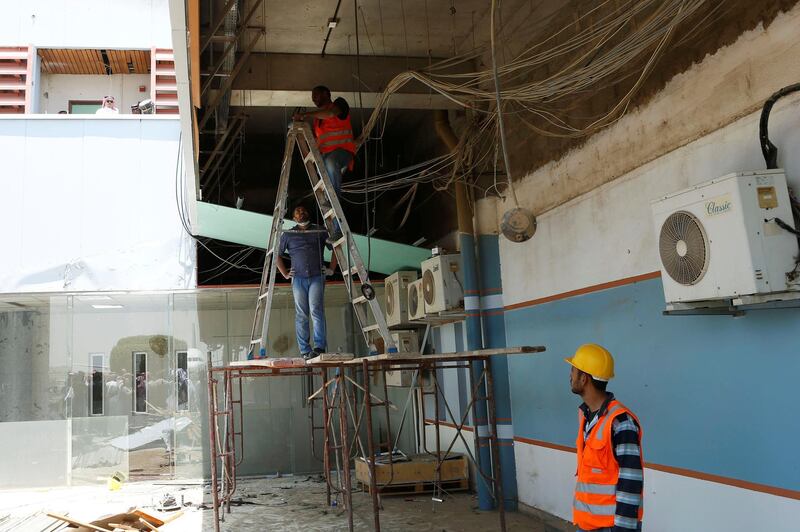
pixel 321 88
pixel 600 385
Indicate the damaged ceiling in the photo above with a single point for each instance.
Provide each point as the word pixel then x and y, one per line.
pixel 259 60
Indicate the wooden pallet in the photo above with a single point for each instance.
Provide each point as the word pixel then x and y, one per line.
pixel 418 487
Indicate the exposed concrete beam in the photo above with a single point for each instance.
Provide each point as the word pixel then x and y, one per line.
pixel 302 98
pixel 301 72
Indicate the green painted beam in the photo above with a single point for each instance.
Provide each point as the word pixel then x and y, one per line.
pixel 252 229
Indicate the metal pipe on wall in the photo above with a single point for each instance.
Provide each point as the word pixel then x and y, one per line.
pixel 466 238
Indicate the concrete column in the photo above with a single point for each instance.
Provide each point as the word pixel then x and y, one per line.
pixel 16 365
pixel 494 335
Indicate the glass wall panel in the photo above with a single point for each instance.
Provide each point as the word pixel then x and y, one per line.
pixel 112 382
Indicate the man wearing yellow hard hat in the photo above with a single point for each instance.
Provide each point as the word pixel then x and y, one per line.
pixel 608 491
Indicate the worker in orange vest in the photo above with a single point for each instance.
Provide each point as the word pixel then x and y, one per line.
pixel 334 133
pixel 608 492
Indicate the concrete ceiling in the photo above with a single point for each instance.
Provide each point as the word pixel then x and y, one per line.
pixel 413 28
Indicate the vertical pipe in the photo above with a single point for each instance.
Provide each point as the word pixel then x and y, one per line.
pixel 212 436
pixel 466 239
pixel 498 470
pixel 373 485
pixel 347 495
pixel 494 336
pixel 326 459
pixel 436 391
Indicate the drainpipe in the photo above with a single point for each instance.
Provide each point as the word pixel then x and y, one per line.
pixel 466 239
pixel 494 336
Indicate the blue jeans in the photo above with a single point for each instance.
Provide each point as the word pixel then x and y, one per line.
pixel 309 299
pixel 335 164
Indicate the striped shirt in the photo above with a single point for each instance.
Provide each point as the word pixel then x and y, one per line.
pixel 628 453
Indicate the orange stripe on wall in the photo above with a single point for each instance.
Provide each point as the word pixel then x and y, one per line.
pixel 718 479
pixel 586 290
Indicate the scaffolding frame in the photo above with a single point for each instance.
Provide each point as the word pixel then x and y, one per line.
pixel 340 399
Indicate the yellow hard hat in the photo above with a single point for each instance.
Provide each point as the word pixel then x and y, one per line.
pixel 595 360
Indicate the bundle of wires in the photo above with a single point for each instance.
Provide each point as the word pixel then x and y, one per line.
pixel 618 41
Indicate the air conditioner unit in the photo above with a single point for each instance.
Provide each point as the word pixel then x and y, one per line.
pixel 416 300
pixel 442 284
pixel 396 288
pixel 719 240
pixel 407 342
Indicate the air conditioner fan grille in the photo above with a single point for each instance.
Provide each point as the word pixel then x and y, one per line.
pixel 683 247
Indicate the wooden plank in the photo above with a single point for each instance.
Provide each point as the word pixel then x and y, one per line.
pixel 86 62
pixel 331 357
pixel 74 61
pixel 419 487
pixel 94 62
pixel 439 357
pixel 419 468
pixel 101 69
pixel 77 523
pixel 271 363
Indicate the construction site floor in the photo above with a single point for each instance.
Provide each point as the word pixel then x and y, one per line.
pixel 293 503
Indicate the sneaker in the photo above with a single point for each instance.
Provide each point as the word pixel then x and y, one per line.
pixel 337 234
pixel 308 356
pixel 318 351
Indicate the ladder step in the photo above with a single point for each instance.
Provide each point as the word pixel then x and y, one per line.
pixel 222 412
pixel 373 327
pixel 320 184
pixel 264 295
pixel 351 271
pixel 309 157
pixel 256 341
pixel 328 214
pixel 340 242
pixel 359 300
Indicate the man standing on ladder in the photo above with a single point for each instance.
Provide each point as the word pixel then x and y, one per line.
pixel 305 244
pixel 334 134
pixel 608 492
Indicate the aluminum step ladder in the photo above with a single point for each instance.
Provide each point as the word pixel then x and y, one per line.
pixel 347 254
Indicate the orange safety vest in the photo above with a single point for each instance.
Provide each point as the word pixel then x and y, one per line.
pixel 595 499
pixel 334 133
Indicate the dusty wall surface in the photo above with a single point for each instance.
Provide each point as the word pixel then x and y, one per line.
pixel 729 84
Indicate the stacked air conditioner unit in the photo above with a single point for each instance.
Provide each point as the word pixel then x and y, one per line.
pixel 407 342
pixel 397 297
pixel 723 240
pixel 416 300
pixel 442 284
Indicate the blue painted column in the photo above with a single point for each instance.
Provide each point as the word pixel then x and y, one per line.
pixel 494 336
pixel 475 341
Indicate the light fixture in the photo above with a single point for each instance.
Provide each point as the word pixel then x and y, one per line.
pixel 106 306
pixel 419 241
pixel 93 298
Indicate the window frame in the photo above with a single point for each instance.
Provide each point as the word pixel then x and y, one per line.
pixel 70 103
pixel 178 354
pixel 135 387
pixel 92 366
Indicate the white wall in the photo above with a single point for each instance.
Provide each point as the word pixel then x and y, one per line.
pixel 86 24
pixel 89 204
pixel 56 90
pixel 672 502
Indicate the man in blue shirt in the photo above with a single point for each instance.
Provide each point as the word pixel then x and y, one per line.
pixel 304 244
